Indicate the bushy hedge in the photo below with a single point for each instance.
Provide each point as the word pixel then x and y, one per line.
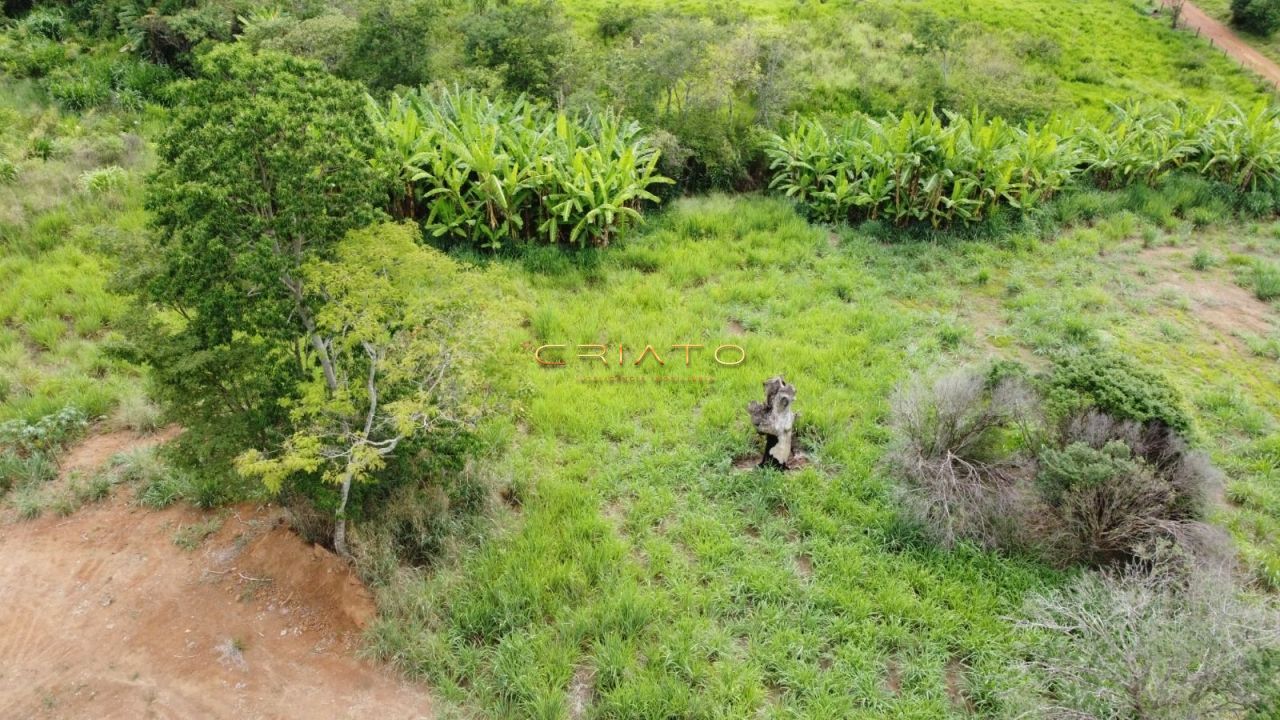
pixel 951 169
pixel 489 173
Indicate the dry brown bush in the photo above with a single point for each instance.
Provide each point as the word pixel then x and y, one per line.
pixel 955 479
pixel 1153 640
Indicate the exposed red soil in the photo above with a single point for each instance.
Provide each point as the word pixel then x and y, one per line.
pixel 94 451
pixel 1225 39
pixel 102 615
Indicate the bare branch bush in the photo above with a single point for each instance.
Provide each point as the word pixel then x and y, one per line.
pixel 955 477
pixel 1151 641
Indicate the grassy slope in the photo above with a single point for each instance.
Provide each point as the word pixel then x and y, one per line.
pixel 57 243
pixel 1099 50
pixel 643 565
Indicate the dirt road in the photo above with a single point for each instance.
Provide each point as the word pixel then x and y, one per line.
pixel 103 615
pixel 1226 40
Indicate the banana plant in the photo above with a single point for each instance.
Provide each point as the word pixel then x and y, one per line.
pixel 490 173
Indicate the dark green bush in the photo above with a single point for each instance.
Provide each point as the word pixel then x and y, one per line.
pixel 1261 17
pixel 389 48
pixel 44 22
pixel 1116 386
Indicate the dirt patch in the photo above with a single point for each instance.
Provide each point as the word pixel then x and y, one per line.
pixel 103 616
pixel 1218 302
pixel 95 450
pixel 581 688
pixel 956 685
pixel 893 677
pixel 804 566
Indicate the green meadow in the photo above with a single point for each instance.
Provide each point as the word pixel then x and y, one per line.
pixel 634 555
pixel 607 547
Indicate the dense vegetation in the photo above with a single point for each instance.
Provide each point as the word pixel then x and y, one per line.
pixel 491 173
pixel 957 169
pixel 326 239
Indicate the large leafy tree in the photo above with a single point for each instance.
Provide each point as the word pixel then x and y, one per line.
pixel 410 336
pixel 264 167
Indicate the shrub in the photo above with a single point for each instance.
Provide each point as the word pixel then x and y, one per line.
pixel 489 173
pixel 1261 17
pixel 957 477
pixel 103 180
pixel 1097 489
pixel 45 435
pixel 8 171
pixel 1264 279
pixel 1108 503
pixel 1152 641
pixel 1116 386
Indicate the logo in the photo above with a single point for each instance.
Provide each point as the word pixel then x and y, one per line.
pixel 559 355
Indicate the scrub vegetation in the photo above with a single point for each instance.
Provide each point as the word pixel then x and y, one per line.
pixel 1035 347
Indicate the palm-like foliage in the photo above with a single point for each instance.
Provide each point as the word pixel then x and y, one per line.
pixel 1241 148
pixel 489 173
pixel 943 169
pixel 920 167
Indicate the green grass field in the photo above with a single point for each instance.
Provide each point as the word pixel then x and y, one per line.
pixel 1031 56
pixel 59 238
pixel 643 566
pixel 633 564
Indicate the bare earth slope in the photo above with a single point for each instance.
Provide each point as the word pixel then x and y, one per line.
pixel 102 615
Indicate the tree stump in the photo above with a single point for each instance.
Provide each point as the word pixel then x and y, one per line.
pixel 774 419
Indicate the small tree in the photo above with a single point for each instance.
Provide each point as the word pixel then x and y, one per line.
pixel 1256 16
pixel 1175 12
pixel 264 167
pixel 406 333
pixel 939 37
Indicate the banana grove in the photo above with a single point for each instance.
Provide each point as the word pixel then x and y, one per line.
pixel 488 173
pixel 945 169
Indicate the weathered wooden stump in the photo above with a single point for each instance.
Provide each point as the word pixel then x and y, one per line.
pixel 774 419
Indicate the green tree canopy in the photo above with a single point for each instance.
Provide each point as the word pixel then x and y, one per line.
pixel 411 335
pixel 265 166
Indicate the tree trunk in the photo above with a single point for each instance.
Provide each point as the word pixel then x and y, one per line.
pixel 340 522
pixel 775 420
